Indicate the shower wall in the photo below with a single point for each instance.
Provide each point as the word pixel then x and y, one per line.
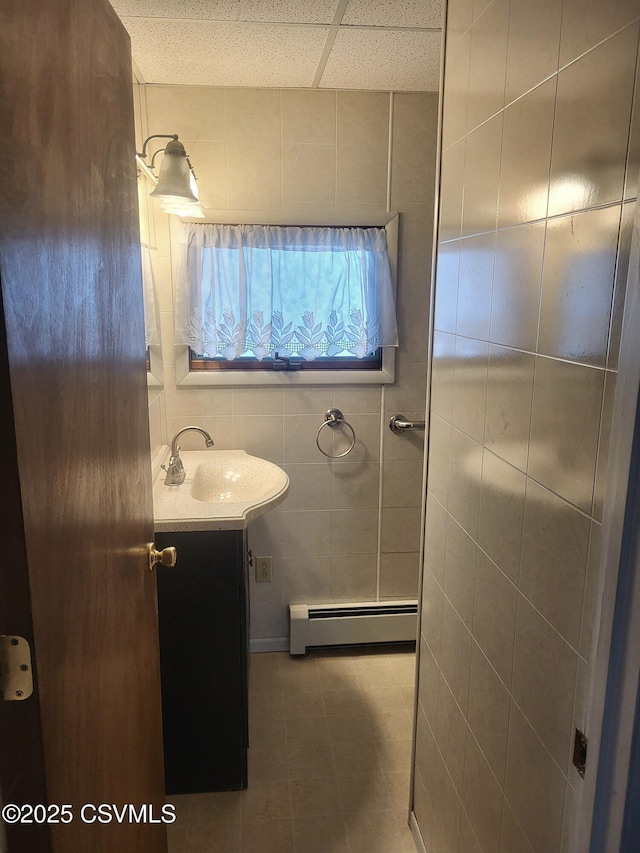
pixel 350 528
pixel 539 182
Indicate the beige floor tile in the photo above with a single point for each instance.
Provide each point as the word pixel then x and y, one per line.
pixel 343 700
pixel 177 838
pixel 265 730
pixel 374 672
pixel 219 839
pixel 297 671
pixel 331 668
pixel 267 702
pixel 267 801
pixel 350 728
pixel 329 760
pixel 321 835
pixel 379 832
pixel 310 762
pixel 267 763
pixel 303 702
pixel 221 808
pixel 316 797
pixel 395 755
pixel 301 731
pixel 393 725
pixel 403 666
pixel 263 666
pixel 355 759
pixel 399 783
pixel 409 695
pixel 383 697
pixel 268 836
pixel 364 793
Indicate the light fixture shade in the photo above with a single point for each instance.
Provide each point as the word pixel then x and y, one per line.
pixel 183 206
pixel 188 210
pixel 174 180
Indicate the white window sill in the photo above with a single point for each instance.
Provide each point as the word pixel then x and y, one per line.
pixel 155 374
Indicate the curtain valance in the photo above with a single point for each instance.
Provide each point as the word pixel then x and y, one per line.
pixel 248 291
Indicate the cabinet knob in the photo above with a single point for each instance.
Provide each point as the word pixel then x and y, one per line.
pixel 166 557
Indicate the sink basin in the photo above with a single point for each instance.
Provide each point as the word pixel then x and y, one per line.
pixel 234 480
pixel 223 490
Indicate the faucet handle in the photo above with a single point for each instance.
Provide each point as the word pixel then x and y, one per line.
pixel 175 472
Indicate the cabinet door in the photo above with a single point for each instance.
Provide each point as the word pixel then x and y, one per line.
pixel 202 614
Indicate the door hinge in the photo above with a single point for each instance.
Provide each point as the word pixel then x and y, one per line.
pixel 16 674
pixel 580 752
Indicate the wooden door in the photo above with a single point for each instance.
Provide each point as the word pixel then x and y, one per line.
pixel 75 511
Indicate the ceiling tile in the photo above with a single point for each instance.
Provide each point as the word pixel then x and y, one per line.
pixel 390 13
pixel 267 11
pixel 384 59
pixel 211 53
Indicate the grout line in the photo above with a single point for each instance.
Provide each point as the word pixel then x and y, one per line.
pixel 383 388
pixel 335 182
pixel 573 361
pixel 563 214
pixel 281 153
pixel 380 490
pixel 390 151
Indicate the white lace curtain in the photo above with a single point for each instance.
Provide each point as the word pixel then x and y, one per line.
pixel 151 333
pixel 253 290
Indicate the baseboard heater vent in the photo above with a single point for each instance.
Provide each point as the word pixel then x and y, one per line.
pixel 351 624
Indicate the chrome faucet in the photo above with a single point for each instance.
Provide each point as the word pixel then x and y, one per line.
pixel 175 471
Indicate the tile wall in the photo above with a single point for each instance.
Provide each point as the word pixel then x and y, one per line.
pixel 539 183
pixel 350 529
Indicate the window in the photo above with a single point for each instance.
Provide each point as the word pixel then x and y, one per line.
pixel 258 299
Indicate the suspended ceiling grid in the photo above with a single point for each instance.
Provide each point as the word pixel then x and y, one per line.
pixel 336 44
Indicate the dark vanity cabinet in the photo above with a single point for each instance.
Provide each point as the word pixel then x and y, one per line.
pixel 202 605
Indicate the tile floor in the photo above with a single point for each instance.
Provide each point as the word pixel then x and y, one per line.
pixel 329 760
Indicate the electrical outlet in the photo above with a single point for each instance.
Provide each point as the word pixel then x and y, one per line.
pixel 263 569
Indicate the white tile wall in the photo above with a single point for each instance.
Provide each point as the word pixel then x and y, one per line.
pixel 285 148
pixel 521 416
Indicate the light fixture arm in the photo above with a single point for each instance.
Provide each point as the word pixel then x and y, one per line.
pixel 174 136
pixel 143 153
pixel 191 167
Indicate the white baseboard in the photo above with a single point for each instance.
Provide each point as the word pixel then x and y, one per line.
pixel 417 837
pixel 269 644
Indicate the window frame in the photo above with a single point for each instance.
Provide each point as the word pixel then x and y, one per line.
pixel 155 370
pixel 185 376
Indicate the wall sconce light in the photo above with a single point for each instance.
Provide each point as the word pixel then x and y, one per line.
pixel 176 182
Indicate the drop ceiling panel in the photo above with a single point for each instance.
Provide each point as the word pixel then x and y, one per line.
pixel 266 11
pixel 212 53
pixel 398 60
pixel 391 13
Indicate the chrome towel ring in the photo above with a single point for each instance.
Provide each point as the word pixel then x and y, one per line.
pixel 334 418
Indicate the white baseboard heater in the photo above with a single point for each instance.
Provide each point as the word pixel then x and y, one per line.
pixel 351 624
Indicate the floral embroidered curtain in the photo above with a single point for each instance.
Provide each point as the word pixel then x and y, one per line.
pixel 253 290
pixel 151 325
